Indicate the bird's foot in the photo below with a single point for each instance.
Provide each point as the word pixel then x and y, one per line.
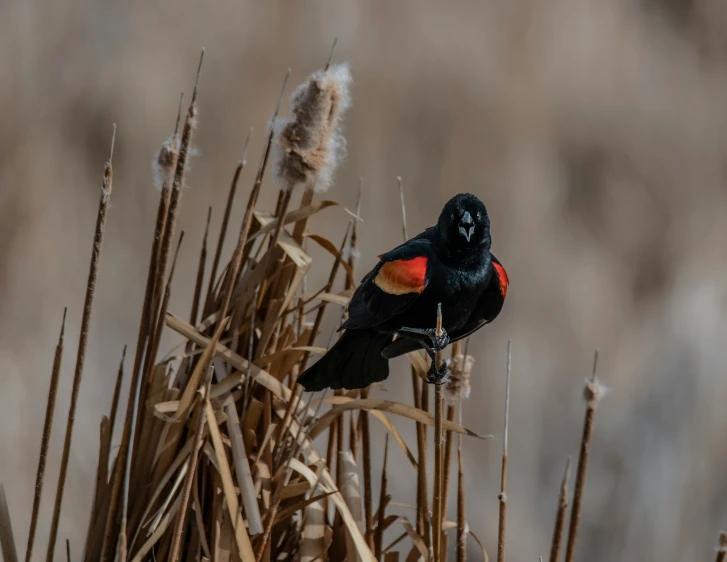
pixel 428 338
pixel 438 376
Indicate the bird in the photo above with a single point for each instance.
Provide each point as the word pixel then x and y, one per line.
pixel 394 309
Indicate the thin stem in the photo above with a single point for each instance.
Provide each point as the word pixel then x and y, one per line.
pixel 503 477
pixel 225 222
pixel 82 342
pixel 45 441
pixel 592 393
pixel 438 449
pixel 560 515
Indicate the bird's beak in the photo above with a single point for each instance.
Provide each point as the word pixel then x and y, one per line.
pixel 467 233
pixel 466 220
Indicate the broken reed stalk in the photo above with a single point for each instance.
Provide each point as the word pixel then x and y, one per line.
pixel 722 548
pixel 503 475
pixel 7 540
pixel 592 394
pixel 103 208
pixel 438 449
pixel 45 441
pixel 560 515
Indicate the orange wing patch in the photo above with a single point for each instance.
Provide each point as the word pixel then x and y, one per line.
pixel 502 277
pixel 402 276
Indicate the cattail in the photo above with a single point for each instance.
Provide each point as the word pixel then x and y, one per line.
pixel 309 146
pixel 165 161
pixel 458 383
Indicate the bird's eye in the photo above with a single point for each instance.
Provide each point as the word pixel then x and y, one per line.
pixel 479 216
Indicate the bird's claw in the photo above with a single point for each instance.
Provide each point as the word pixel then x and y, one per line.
pixel 438 375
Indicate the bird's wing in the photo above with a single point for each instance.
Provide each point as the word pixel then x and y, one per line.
pixel 489 307
pixel 392 286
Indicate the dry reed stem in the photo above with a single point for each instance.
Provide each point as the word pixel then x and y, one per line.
pixel 225 222
pixel 560 515
pixel 68 550
pixel 461 505
pixel 722 548
pixel 45 441
pixel 191 470
pixel 449 438
pixel 117 394
pixel 366 454
pixel 200 272
pixel 592 393
pixel 438 449
pixel 7 541
pixel 83 340
pixel 353 246
pixel 379 535
pixel 503 475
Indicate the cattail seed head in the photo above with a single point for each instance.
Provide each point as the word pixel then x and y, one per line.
pixel 458 383
pixel 164 161
pixel 309 146
pixel 593 392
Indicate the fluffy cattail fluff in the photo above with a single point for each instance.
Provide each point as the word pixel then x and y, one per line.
pixel 309 146
pixel 164 161
pixel 458 383
pixel 593 392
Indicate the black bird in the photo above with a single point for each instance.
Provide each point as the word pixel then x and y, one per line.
pixel 449 263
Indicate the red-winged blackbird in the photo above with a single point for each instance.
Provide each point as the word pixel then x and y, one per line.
pixel 449 263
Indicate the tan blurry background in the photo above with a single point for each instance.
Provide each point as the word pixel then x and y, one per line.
pixel 594 131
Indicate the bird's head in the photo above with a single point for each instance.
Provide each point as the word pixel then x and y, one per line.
pixel 464 222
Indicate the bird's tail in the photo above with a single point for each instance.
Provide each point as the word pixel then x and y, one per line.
pixel 355 361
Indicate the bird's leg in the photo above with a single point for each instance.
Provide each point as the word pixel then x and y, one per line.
pixel 428 338
pixel 431 343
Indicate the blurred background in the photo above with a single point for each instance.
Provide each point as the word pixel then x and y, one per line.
pixel 595 132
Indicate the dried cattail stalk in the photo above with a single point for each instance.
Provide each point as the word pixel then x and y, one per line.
pixel 592 394
pixel 225 222
pixel 309 146
pixel 503 479
pixel 45 442
pixel 438 452
pixel 83 341
pixel 561 514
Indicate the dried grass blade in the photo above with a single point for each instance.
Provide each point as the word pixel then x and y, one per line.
pixel 298 215
pixel 241 537
pixel 397 408
pixel 242 466
pixel 351 492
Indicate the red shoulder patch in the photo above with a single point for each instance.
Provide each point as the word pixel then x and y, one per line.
pixel 400 277
pixel 502 277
